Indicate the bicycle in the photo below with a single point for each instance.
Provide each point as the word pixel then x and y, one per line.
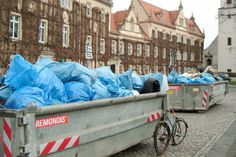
pixel 173 129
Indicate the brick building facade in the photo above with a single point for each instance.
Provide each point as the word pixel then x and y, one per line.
pixel 87 32
pixel 160 39
pixel 60 29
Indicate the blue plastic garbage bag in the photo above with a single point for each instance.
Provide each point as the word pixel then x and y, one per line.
pixel 173 75
pixel 208 78
pixel 26 96
pixel 183 80
pixel 21 73
pixel 198 80
pixel 106 72
pixel 5 92
pixel 51 84
pixel 125 80
pixel 77 92
pixel 100 90
pixel 114 87
pixel 137 82
pixel 69 71
pixel 2 78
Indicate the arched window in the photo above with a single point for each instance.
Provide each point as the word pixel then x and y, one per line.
pixel 185 56
pixel 163 53
pixel 139 50
pixel 178 56
pixel 156 52
pixel 130 49
pixel 121 47
pixel 113 47
pixel 192 57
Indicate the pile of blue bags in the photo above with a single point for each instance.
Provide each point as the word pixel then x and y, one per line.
pixel 199 78
pixel 48 82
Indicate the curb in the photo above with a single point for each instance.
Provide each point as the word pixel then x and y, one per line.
pixel 206 148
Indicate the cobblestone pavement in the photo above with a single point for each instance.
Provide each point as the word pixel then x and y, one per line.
pixel 204 130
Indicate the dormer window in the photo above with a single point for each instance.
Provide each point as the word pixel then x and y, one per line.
pixel 181 22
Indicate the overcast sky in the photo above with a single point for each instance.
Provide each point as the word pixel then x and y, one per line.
pixel 204 11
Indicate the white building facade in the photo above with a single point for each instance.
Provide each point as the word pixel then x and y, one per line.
pixel 227 36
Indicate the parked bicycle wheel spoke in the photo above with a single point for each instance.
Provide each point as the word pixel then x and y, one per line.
pixel 161 138
pixel 180 131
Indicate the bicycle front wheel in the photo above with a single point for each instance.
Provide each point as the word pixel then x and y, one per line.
pixel 180 131
pixel 161 137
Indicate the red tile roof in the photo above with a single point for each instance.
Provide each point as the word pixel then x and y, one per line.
pixel 193 28
pixel 118 19
pixel 159 16
pixel 168 18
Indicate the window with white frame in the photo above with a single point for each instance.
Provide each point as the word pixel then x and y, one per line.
pixel 163 53
pixel 121 47
pixel 102 46
pixel 181 22
pixel 192 58
pixel 147 50
pixel 65 35
pixel 43 31
pixel 192 41
pixel 156 52
pixel 113 47
pixel 88 41
pixel 179 38
pixel 66 4
pixel 185 56
pixel 14 27
pixel 130 49
pixel 139 49
pixel 102 15
pixel 89 10
pixel 178 56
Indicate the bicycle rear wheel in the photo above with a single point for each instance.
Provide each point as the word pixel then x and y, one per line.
pixel 161 137
pixel 180 131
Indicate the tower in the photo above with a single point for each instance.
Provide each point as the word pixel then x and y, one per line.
pixel 227 36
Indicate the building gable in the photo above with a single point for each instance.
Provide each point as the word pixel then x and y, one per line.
pixel 131 23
